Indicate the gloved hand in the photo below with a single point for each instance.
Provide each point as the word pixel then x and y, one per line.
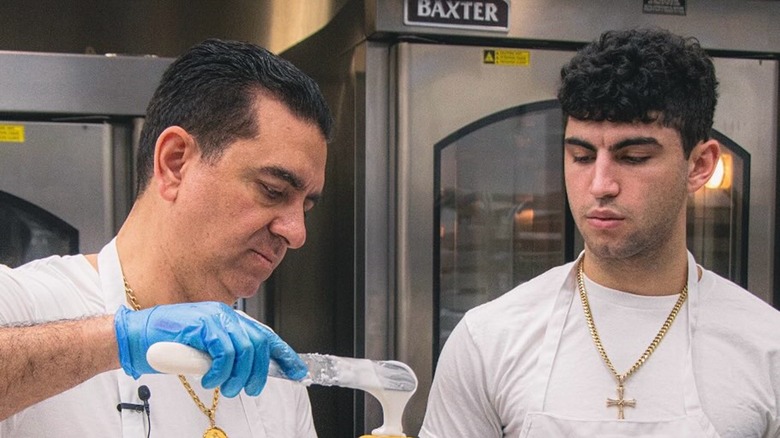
pixel 239 347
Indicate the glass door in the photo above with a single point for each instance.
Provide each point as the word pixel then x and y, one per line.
pixel 28 232
pixel 501 208
pixel 718 215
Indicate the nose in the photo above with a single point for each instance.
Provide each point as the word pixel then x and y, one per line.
pixel 604 183
pixel 291 227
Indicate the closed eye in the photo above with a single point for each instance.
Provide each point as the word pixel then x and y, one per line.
pixel 581 152
pixel 270 192
pixel 635 160
pixel 582 158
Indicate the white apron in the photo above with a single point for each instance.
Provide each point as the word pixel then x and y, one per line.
pixel 110 271
pixel 540 424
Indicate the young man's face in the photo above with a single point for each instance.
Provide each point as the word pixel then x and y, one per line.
pixel 627 184
pixel 241 213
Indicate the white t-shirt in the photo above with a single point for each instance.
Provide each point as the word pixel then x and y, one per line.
pixel 483 383
pixel 68 287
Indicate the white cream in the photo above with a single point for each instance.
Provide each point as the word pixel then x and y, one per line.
pixel 374 378
pixel 393 405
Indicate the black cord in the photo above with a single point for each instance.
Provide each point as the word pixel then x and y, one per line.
pixel 148 421
pixel 144 394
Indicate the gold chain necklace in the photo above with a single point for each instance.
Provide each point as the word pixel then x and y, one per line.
pixel 213 431
pixel 620 402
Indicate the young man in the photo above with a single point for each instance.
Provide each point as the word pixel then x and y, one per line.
pixel 232 156
pixel 633 338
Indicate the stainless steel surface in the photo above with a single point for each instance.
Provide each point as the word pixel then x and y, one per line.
pixel 163 28
pixel 77 84
pixel 719 24
pixel 64 168
pixel 379 193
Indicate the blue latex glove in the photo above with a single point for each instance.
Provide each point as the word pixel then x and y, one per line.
pixel 240 348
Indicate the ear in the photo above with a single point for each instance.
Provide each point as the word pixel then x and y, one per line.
pixel 174 151
pixel 702 163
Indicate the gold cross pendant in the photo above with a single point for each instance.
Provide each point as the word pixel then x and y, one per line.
pixel 621 402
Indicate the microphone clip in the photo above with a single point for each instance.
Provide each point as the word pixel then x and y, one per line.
pixel 130 407
pixel 143 394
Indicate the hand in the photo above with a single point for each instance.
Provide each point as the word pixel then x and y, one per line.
pixel 239 347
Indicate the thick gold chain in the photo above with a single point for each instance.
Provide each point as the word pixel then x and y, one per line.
pixel 131 295
pixel 211 413
pixel 597 340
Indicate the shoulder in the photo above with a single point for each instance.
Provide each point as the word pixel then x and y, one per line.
pixel 725 300
pixel 519 310
pixel 736 335
pixel 736 318
pixel 510 328
pixel 484 363
pixel 65 285
pixel 70 268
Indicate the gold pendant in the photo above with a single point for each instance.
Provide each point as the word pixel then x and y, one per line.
pixel 621 402
pixel 215 432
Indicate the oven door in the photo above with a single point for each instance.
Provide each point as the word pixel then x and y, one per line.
pixel 480 199
pixel 57 189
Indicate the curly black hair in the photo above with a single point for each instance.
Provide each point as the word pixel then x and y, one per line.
pixel 643 75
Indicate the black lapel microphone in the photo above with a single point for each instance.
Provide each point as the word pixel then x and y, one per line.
pixel 143 394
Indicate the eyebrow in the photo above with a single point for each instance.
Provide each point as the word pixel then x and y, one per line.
pixel 631 141
pixel 290 178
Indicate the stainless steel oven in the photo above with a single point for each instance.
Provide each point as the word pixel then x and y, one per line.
pixel 68 126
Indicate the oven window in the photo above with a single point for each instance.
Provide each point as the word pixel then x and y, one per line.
pixel 718 215
pixel 28 232
pixel 501 208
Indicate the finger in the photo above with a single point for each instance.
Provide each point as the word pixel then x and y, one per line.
pixel 287 358
pixel 258 335
pixel 244 359
pixel 218 344
pixel 259 376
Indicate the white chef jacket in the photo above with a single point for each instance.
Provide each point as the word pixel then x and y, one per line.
pixel 68 287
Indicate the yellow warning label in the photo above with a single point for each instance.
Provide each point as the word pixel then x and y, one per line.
pixel 506 57
pixel 12 133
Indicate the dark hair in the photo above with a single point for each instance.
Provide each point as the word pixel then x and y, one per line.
pixel 643 75
pixel 211 92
